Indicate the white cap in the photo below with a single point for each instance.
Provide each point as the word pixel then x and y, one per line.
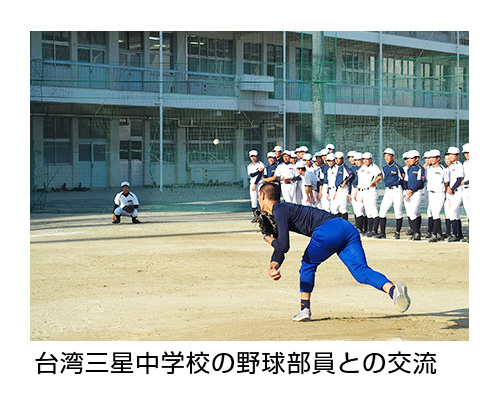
pixel 413 154
pixel 278 148
pixel 389 151
pixel 292 154
pixel 317 154
pixel 358 156
pixel 453 150
pixel 300 164
pixel 405 155
pixel 434 153
pixel 426 154
pixel 324 152
pixel 351 153
pixel 330 157
pixel 125 183
pixel 367 155
pixel 465 148
pixel 339 154
pixel 253 153
pixel 307 157
pixel 287 152
pixel 303 148
pixel 271 154
pixel 330 146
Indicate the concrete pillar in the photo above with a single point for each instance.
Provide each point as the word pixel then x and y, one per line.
pixel 318 105
pixel 181 161
pixel 114 175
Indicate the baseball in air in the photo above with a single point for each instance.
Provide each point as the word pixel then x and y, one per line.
pixel 216 141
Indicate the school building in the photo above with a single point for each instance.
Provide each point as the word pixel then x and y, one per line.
pixel 146 106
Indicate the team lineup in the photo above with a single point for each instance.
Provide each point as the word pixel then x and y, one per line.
pixel 316 190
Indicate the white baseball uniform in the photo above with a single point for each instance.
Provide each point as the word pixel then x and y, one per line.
pixel 369 195
pixel 436 178
pixel 256 181
pixel 122 200
pixel 285 171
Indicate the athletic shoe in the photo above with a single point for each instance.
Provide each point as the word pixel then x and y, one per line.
pixel 135 220
pixel 416 236
pixel 380 236
pixel 400 297
pixel 370 234
pixel 115 219
pixel 303 316
pixel 396 235
pixel 453 238
pixel 433 239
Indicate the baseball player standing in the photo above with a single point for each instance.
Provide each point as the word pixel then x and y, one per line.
pixel 465 182
pixel 343 177
pixel 437 182
pixel 126 203
pixel 269 171
pixel 415 179
pixel 286 174
pixel 393 175
pixel 454 190
pixel 329 235
pixel 255 170
pixel 357 205
pixel 368 176
pixel 307 184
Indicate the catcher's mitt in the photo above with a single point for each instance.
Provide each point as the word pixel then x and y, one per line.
pixel 128 208
pixel 266 223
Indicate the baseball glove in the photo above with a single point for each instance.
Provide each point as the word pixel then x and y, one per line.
pixel 128 208
pixel 266 223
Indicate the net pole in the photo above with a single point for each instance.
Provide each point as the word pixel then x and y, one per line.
pixel 380 100
pixel 284 89
pixel 458 88
pixel 161 111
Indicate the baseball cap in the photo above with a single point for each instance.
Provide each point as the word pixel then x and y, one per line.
pixel 426 154
pixel 367 155
pixel 300 164
pixel 389 151
pixel 330 157
pixel 357 156
pixel 307 157
pixel 330 146
pixel 324 152
pixel 304 149
pixel 278 148
pixel 124 183
pixel 339 154
pixel 434 153
pixel 413 154
pixel 351 153
pixel 453 150
pixel 253 153
pixel 292 154
pixel 465 148
pixel 271 154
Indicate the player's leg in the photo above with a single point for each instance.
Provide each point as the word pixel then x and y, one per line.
pixel 353 256
pixel 385 205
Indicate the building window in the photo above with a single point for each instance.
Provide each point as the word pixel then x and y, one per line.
pixel 168 51
pixel 92 47
pixel 399 74
pixel 94 128
pixel 359 68
pixel 252 58
pixel 131 143
pixel 57 140
pixel 55 45
pixel 201 149
pixel 210 55
pixel 275 61
pixel 303 64
pixel 131 45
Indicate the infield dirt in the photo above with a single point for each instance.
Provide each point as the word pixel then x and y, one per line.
pixel 203 277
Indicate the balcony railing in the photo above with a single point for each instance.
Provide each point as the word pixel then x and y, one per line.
pixel 70 74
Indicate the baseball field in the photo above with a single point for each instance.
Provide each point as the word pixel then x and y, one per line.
pixel 202 276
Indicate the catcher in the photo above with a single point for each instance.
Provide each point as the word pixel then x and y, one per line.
pixel 328 235
pixel 126 203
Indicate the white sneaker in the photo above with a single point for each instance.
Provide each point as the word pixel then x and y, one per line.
pixel 400 297
pixel 303 315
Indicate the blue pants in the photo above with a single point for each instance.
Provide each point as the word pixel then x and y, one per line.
pixel 341 237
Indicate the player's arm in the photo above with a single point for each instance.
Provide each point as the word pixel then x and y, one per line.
pixel 377 179
pixel 273 271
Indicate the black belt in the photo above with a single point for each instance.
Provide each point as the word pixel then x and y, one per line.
pixel 466 186
pixel 395 186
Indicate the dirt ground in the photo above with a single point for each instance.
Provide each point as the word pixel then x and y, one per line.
pixel 203 277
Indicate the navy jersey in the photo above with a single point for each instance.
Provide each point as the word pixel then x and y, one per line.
pixel 416 178
pixel 325 168
pixel 343 174
pixel 393 174
pixel 354 170
pixel 295 218
pixel 270 170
